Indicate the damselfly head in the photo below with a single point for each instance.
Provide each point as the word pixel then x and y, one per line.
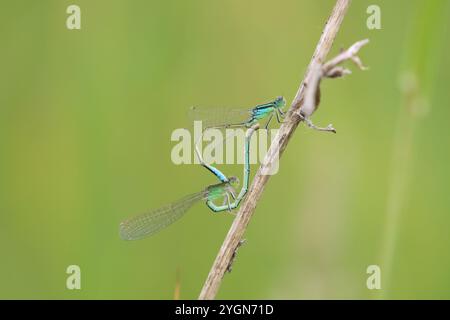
pixel 280 102
pixel 234 182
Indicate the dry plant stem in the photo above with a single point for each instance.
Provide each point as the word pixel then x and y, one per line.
pixel 277 147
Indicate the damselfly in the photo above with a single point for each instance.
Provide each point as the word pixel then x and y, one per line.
pixel 227 205
pixel 227 118
pixel 150 223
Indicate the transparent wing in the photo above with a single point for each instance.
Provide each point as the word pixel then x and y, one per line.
pixel 149 223
pixel 219 117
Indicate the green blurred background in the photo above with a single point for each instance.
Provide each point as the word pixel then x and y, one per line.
pixel 85 124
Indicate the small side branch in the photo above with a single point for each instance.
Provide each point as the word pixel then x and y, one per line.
pixel 331 69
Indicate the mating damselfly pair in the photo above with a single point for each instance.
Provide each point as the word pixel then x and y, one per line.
pixel 153 221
